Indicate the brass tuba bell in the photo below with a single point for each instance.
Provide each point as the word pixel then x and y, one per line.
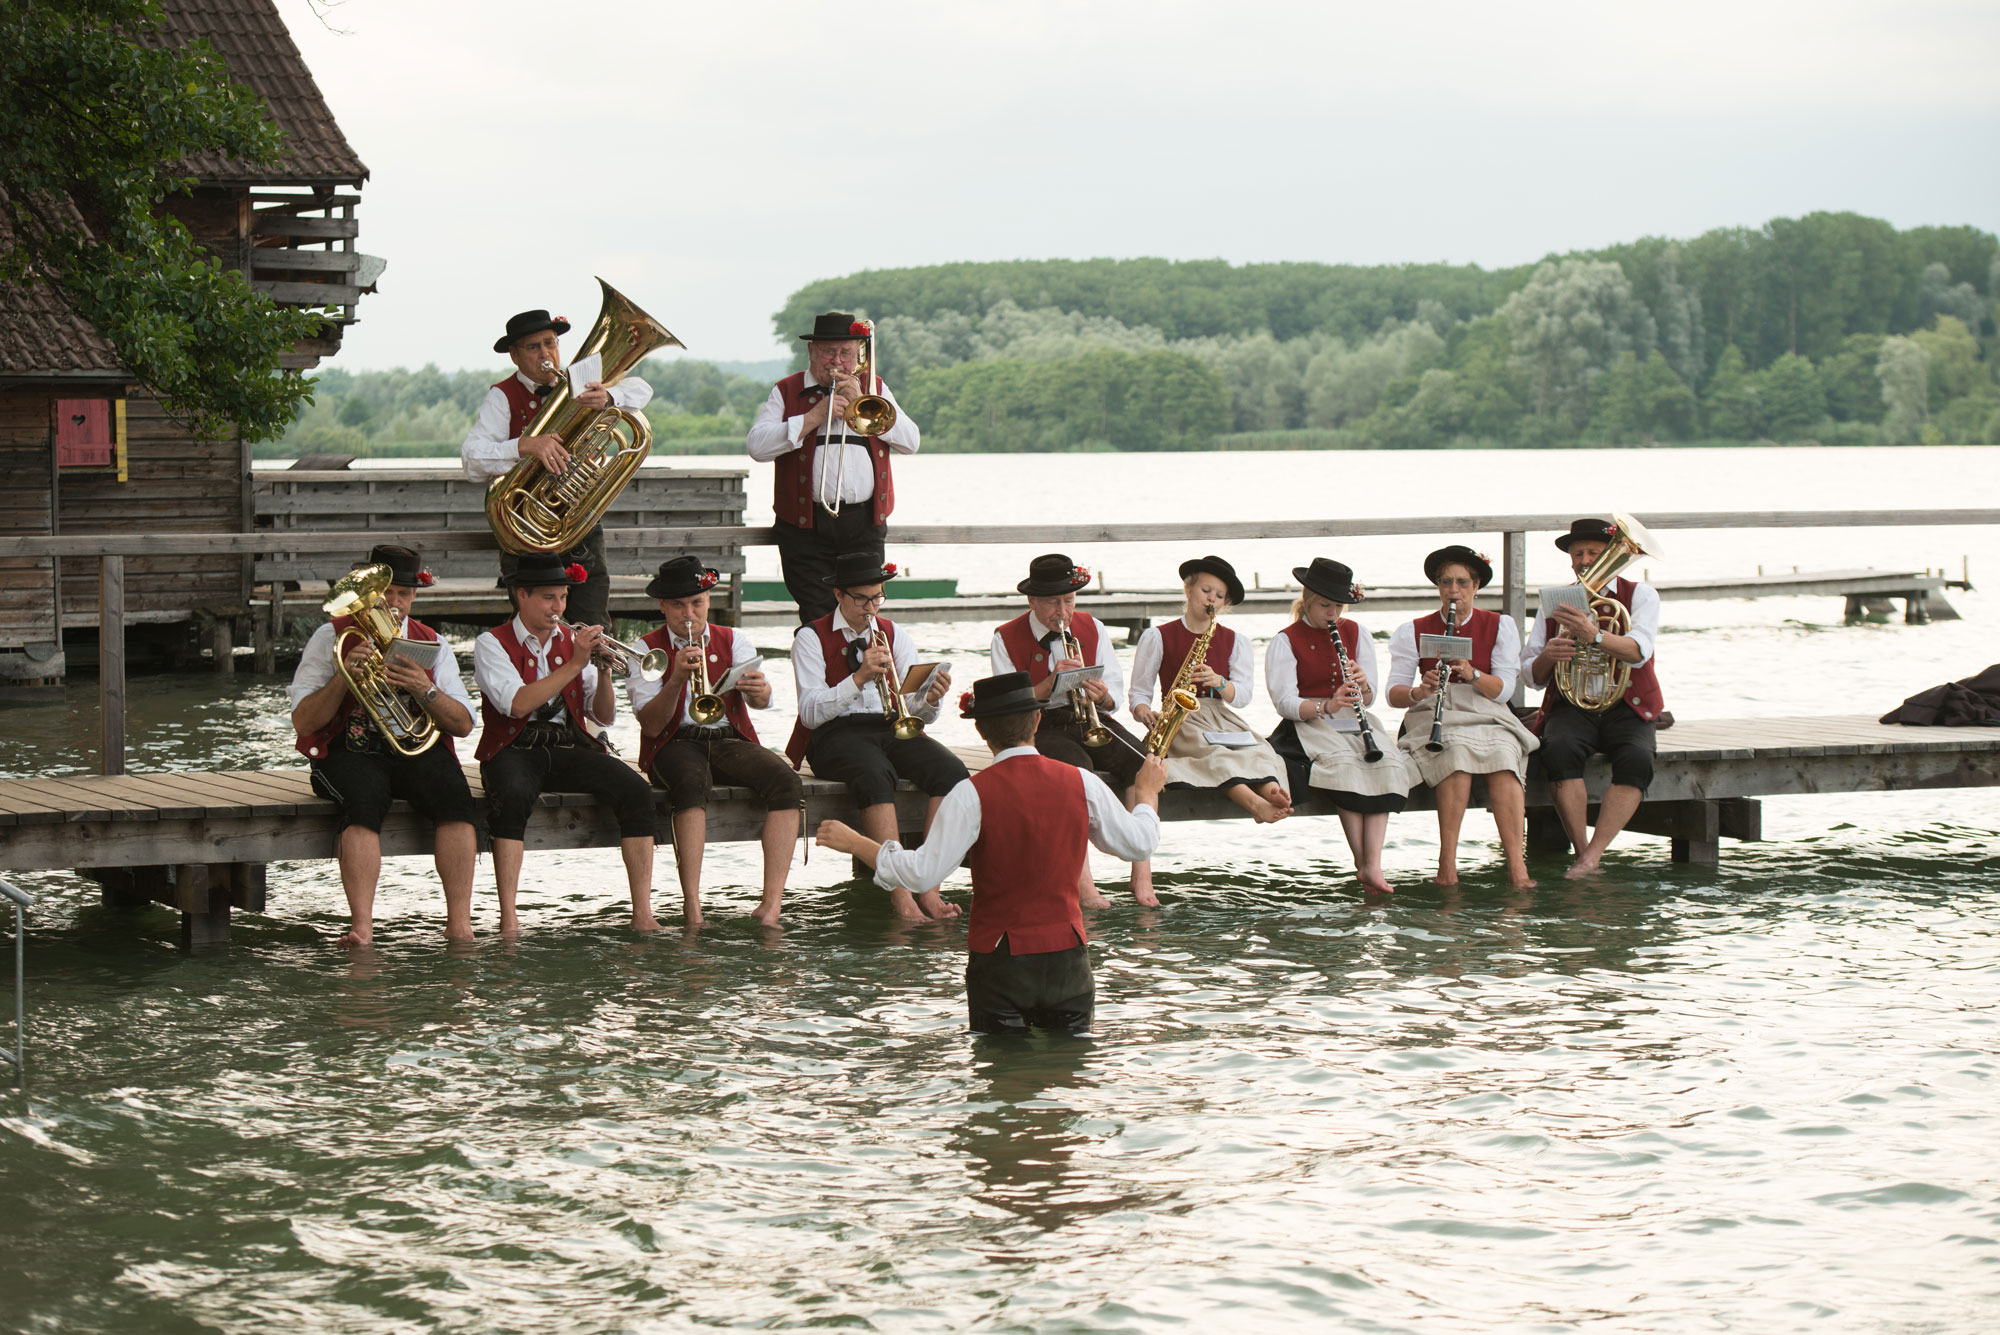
pixel 534 510
pixel 1592 679
pixel 403 723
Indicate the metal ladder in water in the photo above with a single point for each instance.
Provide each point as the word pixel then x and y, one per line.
pixel 18 1057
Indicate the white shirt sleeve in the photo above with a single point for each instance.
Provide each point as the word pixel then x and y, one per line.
pixel 1403 655
pixel 1146 667
pixel 493 672
pixel 772 433
pixel 1507 657
pixel 819 703
pixel 1281 676
pixel 639 692
pixel 1538 640
pixel 488 451
pixel 1107 658
pixel 1645 619
pixel 951 836
pixel 631 393
pixel 1364 654
pixel 997 654
pixel 1130 835
pixel 1242 670
pixel 445 673
pixel 316 666
pixel 902 438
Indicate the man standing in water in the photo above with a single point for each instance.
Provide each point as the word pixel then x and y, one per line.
pixel 1026 820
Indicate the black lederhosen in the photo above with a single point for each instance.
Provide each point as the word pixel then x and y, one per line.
pixel 860 751
pixel 686 767
pixel 806 555
pixel 365 782
pixel 1571 736
pixel 1060 737
pixel 589 602
pixel 520 773
pixel 1008 993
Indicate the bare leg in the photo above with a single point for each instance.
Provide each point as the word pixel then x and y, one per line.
pixel 638 855
pixel 934 903
pixel 690 837
pixel 1572 802
pixel 879 823
pixel 507 855
pixel 454 852
pixel 1142 874
pixel 1510 816
pixel 1364 840
pixel 360 868
pixel 1262 809
pixel 780 829
pixel 1087 893
pixel 1620 801
pixel 1452 795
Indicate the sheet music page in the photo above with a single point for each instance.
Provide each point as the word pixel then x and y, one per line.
pixel 584 370
pixel 735 674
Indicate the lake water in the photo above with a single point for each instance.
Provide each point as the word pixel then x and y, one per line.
pixel 1679 1099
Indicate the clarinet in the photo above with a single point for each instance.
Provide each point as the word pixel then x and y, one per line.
pixel 1436 743
pixel 1370 751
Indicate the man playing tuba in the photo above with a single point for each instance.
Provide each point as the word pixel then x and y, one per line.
pixel 495 444
pixel 1624 732
pixel 354 765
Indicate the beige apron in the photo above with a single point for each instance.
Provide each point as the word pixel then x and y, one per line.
pixel 1196 761
pixel 1481 736
pixel 1339 763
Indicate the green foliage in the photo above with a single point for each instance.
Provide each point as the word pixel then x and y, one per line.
pixel 1567 326
pixel 1903 367
pixel 1790 402
pixel 1642 402
pixel 1848 382
pixel 1729 409
pixel 1952 362
pixel 95 112
pixel 1103 399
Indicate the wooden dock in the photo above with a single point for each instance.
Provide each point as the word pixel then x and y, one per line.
pixel 199 841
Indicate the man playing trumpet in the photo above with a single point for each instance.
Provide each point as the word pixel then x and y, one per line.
pixel 685 747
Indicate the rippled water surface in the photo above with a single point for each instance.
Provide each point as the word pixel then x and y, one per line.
pixel 1753 1097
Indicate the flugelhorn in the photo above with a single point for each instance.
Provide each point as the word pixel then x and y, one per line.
pixel 704 707
pixel 1592 679
pixel 1094 732
pixel 403 723
pixel 894 708
pixel 653 663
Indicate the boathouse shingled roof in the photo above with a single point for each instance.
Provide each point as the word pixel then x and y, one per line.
pixel 40 332
pixel 250 36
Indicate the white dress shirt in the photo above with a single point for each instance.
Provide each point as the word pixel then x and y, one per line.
pixel 1645 630
pixel 1281 675
pixel 773 434
pixel 1106 659
pixel 1127 835
pixel 820 704
pixel 642 692
pixel 1151 649
pixel 1403 656
pixel 489 451
pixel 499 682
pixel 317 668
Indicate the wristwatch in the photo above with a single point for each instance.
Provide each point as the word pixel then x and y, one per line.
pixel 1600 638
pixel 430 695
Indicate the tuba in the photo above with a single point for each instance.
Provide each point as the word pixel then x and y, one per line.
pixel 1593 680
pixel 404 724
pixel 534 510
pixel 1180 700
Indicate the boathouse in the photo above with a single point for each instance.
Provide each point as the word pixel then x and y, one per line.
pixel 85 450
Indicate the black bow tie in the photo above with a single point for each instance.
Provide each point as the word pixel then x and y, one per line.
pixel 543 391
pixel 855 648
pixel 1049 639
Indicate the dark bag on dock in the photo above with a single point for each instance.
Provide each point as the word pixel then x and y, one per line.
pixel 1968 703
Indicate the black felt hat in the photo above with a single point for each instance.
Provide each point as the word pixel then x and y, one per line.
pixel 682 577
pixel 1008 693
pixel 1329 579
pixel 835 326
pixel 1593 529
pixel 526 323
pixel 851 570
pixel 539 572
pixel 1216 566
pixel 406 568
pixel 1458 554
pixel 1053 575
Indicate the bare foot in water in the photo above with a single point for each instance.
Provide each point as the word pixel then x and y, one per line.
pixel 1143 896
pixel 357 939
pixel 1583 866
pixel 1374 883
pixel 1092 899
pixel 510 925
pixel 1445 876
pixel 1518 877
pixel 766 915
pixel 905 905
pixel 648 923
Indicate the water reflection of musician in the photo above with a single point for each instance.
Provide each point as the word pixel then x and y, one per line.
pixel 495 443
pixel 1248 774
pixel 537 685
pixel 1624 732
pixel 844 662
pixel 1033 643
pixel 830 497
pixel 1480 734
pixel 1026 821
pixel 685 756
pixel 354 766
pixel 1320 734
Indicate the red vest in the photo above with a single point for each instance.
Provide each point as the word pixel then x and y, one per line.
pixel 1028 654
pixel 1034 833
pixel 1175 642
pixel 315 745
pixel 1642 692
pixel 832 648
pixel 721 653
pixel 1482 628
pixel 1312 650
pixel 498 727
pixel 794 473
pixel 522 404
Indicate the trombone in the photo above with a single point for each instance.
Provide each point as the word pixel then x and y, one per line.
pixel 894 708
pixel 706 707
pixel 653 663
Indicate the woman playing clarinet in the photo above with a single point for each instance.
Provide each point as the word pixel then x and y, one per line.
pixel 1470 730
pixel 1321 673
pixel 1214 747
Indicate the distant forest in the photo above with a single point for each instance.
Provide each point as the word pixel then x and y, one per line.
pixel 1833 328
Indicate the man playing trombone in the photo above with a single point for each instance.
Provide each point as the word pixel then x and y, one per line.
pixel 691 737
pixel 855 725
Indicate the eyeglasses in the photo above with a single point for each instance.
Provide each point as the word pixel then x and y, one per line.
pixel 859 601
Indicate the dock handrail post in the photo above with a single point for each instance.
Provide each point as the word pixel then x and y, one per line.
pixel 20 900
pixel 1514 592
pixel 111 660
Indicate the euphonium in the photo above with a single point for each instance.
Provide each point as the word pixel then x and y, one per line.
pixel 403 723
pixel 1180 699
pixel 894 708
pixel 705 707
pixel 871 414
pixel 534 510
pixel 1094 731
pixel 1592 679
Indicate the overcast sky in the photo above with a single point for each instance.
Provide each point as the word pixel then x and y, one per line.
pixel 710 159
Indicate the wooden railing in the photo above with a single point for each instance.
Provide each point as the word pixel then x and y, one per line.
pixel 112 548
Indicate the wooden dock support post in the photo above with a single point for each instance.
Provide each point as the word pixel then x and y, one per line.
pixel 111 661
pixel 222 641
pixel 1514 594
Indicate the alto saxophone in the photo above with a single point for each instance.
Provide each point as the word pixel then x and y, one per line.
pixel 1180 700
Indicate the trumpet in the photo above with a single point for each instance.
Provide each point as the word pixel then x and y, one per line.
pixel 1094 732
pixel 653 663
pixel 706 707
pixel 894 708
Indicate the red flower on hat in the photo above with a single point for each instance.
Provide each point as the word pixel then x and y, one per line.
pixel 964 701
pixel 1484 557
pixel 1080 575
pixel 888 567
pixel 425 579
pixel 706 579
pixel 1358 593
pixel 1611 530
pixel 859 329
pixel 562 319
pixel 577 574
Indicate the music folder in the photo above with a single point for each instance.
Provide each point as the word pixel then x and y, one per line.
pixel 917 678
pixel 735 674
pixel 424 653
pixel 1451 648
pixel 1563 595
pixel 1069 680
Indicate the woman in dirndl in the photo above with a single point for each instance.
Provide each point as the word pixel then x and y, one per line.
pixel 1321 738
pixel 1480 733
pixel 1237 761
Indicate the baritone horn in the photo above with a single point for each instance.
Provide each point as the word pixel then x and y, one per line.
pixel 403 723
pixel 534 510
pixel 1592 679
